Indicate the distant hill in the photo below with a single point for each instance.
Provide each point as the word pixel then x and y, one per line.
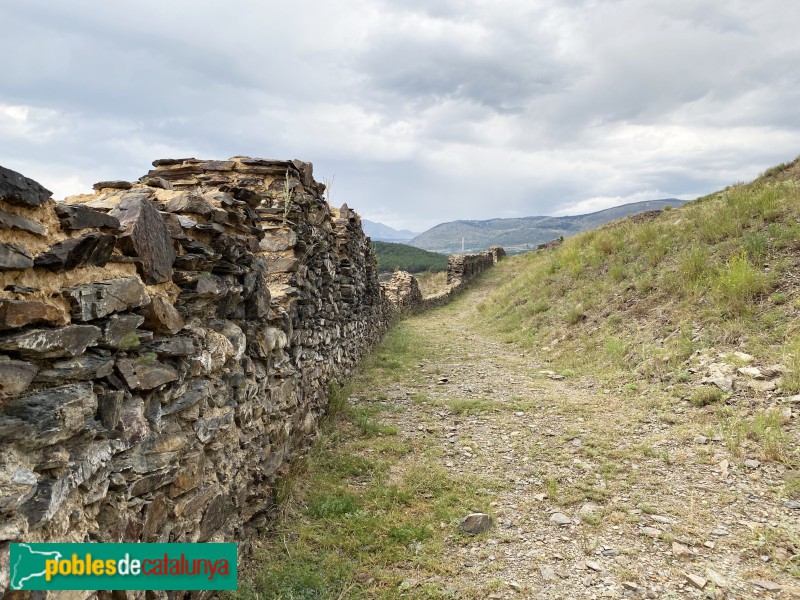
pixel 526 233
pixel 392 257
pixel 384 233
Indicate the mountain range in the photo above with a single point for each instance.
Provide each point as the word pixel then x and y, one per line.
pixel 525 233
pixel 383 233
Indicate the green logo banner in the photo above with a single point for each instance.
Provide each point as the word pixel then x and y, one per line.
pixel 95 566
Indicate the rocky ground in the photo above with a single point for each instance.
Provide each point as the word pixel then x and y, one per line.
pixel 594 492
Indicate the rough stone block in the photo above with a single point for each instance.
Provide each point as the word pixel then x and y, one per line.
pixel 18 189
pixel 120 332
pixel 51 343
pixel 162 317
pixel 145 235
pixel 81 368
pixel 50 416
pixel 12 221
pixel 93 249
pixel 144 373
pixel 77 216
pixel 96 300
pixel 15 256
pixel 15 377
pixel 19 313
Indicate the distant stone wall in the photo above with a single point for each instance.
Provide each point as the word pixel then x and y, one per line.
pixel 166 347
pixel 403 293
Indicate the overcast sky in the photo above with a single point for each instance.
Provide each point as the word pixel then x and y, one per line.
pixel 424 111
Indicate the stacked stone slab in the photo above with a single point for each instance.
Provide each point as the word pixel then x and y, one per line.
pixel 166 346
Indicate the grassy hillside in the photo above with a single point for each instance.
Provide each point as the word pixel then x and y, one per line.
pixel 394 257
pixel 640 296
pixel 524 234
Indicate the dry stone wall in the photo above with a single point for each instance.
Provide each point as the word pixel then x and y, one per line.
pixel 403 293
pixel 166 346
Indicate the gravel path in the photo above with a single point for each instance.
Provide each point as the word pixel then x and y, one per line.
pixel 600 493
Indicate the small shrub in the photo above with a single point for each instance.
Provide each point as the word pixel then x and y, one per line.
pixel 707 395
pixel 335 504
pixel 692 265
pixel 779 298
pixel 738 284
pixel 574 315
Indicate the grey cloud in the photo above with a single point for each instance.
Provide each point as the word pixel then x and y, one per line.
pixel 424 111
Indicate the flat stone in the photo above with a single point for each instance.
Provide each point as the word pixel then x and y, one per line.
pixel 96 300
pixel 15 377
pixel 277 241
pixel 21 289
pixel 174 346
pixel 50 416
pixel 146 236
pixel 11 221
pixel 78 216
pixel 652 532
pixel 681 551
pixel 200 389
pixel 215 516
pixel 560 519
pixel 168 162
pixel 190 203
pixel 80 368
pixel 51 343
pixel 109 408
pixel 50 496
pixel 770 586
pixel 93 249
pixel 206 429
pixel 114 185
pixel 152 482
pixel 189 475
pixel 15 256
pixel 158 182
pixel 752 463
pixel 20 313
pixel 716 578
pixel 594 566
pixel 547 572
pixel 752 372
pixel 120 332
pixel 17 189
pixel 155 518
pixel 696 580
pixel 154 454
pixel 17 485
pixel 145 374
pixel 762 386
pixel 475 523
pixel 162 317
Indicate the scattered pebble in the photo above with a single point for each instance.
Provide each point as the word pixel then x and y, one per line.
pixel 696 580
pixel 475 523
pixel 770 586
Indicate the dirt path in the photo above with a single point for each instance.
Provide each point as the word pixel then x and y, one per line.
pixel 595 493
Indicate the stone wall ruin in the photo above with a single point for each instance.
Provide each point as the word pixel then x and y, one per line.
pixel 167 345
